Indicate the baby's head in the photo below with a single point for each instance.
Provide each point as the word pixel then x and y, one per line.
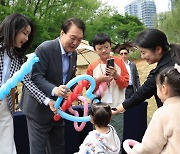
pixel 100 114
pixel 168 81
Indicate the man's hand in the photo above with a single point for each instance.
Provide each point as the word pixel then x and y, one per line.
pixel 62 91
pixel 111 71
pixel 51 105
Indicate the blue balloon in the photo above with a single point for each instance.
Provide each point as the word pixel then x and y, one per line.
pixel 18 76
pixel 73 118
pixel 89 94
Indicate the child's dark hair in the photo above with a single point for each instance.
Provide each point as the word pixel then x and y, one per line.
pixel 100 39
pixel 9 28
pixel 101 113
pixel 171 76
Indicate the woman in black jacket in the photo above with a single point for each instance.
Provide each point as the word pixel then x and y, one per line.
pixel 154 47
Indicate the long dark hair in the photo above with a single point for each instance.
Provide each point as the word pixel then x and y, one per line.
pixel 151 38
pixel 9 28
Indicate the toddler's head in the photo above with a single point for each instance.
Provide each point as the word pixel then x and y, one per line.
pixel 100 114
pixel 168 82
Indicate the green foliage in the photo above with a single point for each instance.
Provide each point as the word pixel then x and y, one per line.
pixel 169 22
pixel 120 28
pixel 4 11
pixel 49 14
pixel 134 55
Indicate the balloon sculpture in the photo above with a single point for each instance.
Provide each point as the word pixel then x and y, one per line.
pixel 101 89
pixel 127 143
pixel 18 76
pixel 79 128
pixel 74 95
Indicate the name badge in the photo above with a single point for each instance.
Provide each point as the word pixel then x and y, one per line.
pixel 109 98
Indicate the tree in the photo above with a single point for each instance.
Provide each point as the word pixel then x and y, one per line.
pixel 49 14
pixel 170 23
pixel 120 28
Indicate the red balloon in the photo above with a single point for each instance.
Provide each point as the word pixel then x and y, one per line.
pixel 57 117
pixel 72 97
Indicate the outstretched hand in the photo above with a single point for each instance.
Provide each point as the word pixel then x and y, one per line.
pixel 51 105
pixel 119 109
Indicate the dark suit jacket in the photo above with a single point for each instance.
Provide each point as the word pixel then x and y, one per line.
pixel 46 74
pixel 135 76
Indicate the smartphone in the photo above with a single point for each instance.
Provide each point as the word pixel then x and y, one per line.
pixel 114 109
pixel 110 62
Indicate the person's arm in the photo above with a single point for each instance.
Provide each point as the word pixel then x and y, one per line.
pixel 122 79
pixel 33 89
pixel 146 91
pixel 41 72
pixel 37 94
pixel 89 71
pixel 102 78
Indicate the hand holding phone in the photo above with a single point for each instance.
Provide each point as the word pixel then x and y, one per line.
pixel 110 62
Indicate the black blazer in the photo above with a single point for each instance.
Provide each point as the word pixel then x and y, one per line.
pixel 148 89
pixel 46 74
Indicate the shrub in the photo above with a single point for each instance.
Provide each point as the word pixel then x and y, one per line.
pixel 134 55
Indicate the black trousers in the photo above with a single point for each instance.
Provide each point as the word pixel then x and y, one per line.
pixel 135 120
pixel 46 138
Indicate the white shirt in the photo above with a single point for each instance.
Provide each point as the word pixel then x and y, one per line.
pixel 6 68
pixel 129 71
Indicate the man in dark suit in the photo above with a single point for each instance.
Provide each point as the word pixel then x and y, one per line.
pixel 56 67
pixel 135 119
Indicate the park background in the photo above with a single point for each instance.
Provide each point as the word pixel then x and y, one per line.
pixel 49 14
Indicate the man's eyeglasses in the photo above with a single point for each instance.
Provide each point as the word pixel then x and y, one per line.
pixel 123 53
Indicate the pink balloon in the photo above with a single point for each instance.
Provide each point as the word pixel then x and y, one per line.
pixel 127 143
pixel 101 89
pixel 74 112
